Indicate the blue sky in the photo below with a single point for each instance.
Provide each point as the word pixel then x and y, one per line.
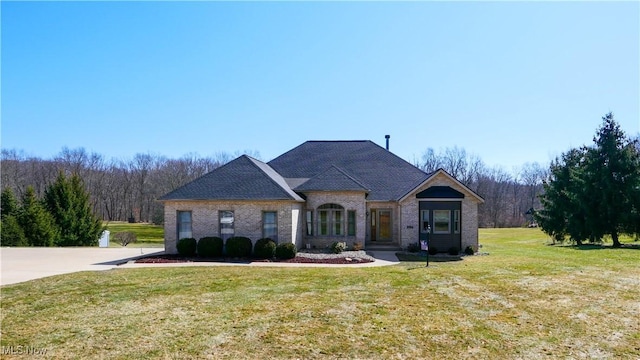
pixel 512 82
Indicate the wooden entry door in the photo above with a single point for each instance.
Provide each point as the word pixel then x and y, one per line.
pixel 381 225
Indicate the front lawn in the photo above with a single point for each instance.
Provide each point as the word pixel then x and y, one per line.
pixel 148 235
pixel 525 300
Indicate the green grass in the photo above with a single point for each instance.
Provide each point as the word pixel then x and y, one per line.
pixel 525 300
pixel 148 235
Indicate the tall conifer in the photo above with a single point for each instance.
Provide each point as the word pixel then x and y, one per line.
pixel 68 202
pixel 36 222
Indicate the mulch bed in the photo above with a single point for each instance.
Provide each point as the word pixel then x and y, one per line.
pixel 166 259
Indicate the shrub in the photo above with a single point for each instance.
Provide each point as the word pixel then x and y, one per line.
pixel 264 249
pixel 125 238
pixel 413 248
pixel 338 247
pixel 357 246
pixel 238 247
pixel 433 250
pixel 453 250
pixel 187 246
pixel 286 251
pixel 469 250
pixel 210 246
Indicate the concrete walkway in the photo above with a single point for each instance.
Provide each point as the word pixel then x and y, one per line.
pixel 24 264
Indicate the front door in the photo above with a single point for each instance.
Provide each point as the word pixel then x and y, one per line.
pixel 384 229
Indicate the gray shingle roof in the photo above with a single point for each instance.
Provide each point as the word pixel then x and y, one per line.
pixel 244 178
pixel 387 176
pixel 332 179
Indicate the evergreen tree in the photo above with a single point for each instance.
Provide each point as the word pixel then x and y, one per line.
pixel 562 214
pixel 8 203
pixel 613 171
pixel 11 233
pixel 36 222
pixel 594 191
pixel 68 203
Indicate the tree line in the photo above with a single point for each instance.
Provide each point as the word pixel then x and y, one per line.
pixel 126 190
pixel 119 190
pixel 510 197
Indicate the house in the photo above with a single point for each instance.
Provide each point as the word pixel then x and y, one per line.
pixel 326 191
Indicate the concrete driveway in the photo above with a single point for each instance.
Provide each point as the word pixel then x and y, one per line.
pixel 28 263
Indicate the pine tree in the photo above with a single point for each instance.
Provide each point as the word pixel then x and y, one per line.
pixel 613 171
pixel 594 191
pixel 562 213
pixel 8 203
pixel 11 233
pixel 68 202
pixel 36 222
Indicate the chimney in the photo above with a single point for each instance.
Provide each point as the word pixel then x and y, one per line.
pixel 387 137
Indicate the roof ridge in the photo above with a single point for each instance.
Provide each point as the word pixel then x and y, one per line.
pixel 197 179
pixel 353 178
pixel 281 184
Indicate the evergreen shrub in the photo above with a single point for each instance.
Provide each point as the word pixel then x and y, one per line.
pixel 187 246
pixel 264 249
pixel 238 247
pixel 286 251
pixel 210 247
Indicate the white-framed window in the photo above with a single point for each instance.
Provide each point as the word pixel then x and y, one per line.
pixel 330 220
pixel 226 220
pixel 270 225
pixel 184 225
pixel 441 221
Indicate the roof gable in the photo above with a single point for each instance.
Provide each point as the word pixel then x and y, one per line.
pixel 440 192
pixel 244 178
pixel 387 176
pixel 454 181
pixel 333 179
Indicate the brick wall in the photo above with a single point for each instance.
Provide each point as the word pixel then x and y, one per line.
pixel 469 214
pixel 350 200
pixel 248 219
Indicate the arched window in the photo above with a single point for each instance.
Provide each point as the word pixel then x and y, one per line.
pixel 330 220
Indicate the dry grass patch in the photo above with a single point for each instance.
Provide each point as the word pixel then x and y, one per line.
pixel 525 300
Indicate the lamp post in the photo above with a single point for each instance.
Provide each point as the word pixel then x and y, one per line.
pixel 428 235
pixel 424 244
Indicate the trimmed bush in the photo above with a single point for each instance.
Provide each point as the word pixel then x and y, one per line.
pixel 338 247
pixel 453 250
pixel 238 247
pixel 433 250
pixel 187 246
pixel 286 251
pixel 357 246
pixel 264 249
pixel 210 247
pixel 469 250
